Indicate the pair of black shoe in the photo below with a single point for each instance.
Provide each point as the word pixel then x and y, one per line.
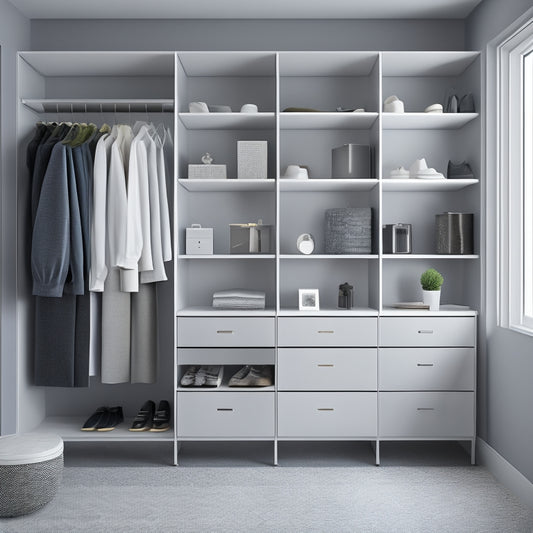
pixel 104 419
pixel 150 419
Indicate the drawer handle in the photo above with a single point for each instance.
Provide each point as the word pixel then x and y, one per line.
pixel 424 364
pixel 426 331
pixel 324 365
pixel 425 409
pixel 224 409
pixel 226 331
pixel 326 331
pixel 325 409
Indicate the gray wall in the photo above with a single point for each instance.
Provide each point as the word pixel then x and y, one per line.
pixel 14 35
pixel 506 360
pixel 247 35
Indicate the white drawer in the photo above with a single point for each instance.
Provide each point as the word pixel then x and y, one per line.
pixel 332 369
pixel 226 331
pixel 327 414
pixel 428 331
pixel 327 331
pixel 426 414
pixel 427 369
pixel 225 414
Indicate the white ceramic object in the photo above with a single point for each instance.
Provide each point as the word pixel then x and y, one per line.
pixel 399 173
pixel 249 108
pixel 434 108
pixel 198 107
pixel 431 298
pixel 296 172
pixel 305 243
pixel 393 105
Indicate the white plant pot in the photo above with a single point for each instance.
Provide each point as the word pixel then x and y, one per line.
pixel 431 298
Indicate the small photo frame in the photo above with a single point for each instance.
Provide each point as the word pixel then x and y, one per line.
pixel 308 300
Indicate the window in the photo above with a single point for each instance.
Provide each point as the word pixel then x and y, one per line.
pixel 514 163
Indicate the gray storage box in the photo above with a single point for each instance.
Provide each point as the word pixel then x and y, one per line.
pixel 351 161
pixel 349 230
pixel 205 172
pixel 454 233
pixel 198 240
pixel 249 238
pixel 252 159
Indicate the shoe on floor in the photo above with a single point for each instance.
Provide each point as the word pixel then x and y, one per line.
pixel 399 173
pixel 112 418
pixel 92 422
pixel 145 417
pixel 433 108
pixel 161 417
pixel 213 376
pixel 187 380
pixel 459 171
pixel 466 104
pixel 393 105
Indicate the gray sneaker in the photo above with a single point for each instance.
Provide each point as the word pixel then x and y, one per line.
pixel 257 376
pixel 213 376
pixel 239 376
pixel 187 380
pixel 459 171
pixel 199 378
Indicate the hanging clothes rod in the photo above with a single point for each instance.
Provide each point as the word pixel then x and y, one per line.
pixel 160 105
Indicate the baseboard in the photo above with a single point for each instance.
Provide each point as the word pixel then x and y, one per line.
pixel 505 472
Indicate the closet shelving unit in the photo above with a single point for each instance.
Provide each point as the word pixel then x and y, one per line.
pixel 329 364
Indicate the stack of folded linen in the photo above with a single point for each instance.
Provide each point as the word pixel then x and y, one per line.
pixel 239 299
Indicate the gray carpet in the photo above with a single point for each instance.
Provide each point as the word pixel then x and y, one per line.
pixel 323 488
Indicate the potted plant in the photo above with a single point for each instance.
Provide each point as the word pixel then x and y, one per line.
pixel 431 281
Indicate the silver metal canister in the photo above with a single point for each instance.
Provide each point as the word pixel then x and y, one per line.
pixel 351 161
pixel 454 233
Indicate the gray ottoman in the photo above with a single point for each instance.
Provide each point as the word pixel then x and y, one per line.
pixel 31 468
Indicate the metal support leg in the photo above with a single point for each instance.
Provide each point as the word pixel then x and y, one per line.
pixel 275 452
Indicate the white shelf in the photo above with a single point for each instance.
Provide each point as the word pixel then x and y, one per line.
pixel 328 256
pixel 421 185
pixel 429 256
pixel 210 311
pixel 228 121
pixel 355 311
pixel 327 121
pixel 227 185
pixel 445 310
pixel 102 105
pixel 225 388
pixel 426 121
pixel 68 428
pixel 227 256
pixel 328 184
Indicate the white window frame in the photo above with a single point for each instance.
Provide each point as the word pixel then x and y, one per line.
pixel 505 95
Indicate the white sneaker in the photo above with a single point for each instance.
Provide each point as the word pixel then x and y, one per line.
pixel 393 105
pixel 419 170
pixel 399 173
pixel 187 380
pixel 434 108
pixel 198 107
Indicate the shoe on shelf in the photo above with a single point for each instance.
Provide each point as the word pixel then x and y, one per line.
pixel 198 107
pixel 92 422
pixel 199 378
pixel 161 417
pixel 459 171
pixel 213 376
pixel 419 170
pixel 466 104
pixel 113 417
pixel 145 417
pixel 187 380
pixel 239 376
pixel 399 173
pixel 433 108
pixel 393 105
pixel 452 105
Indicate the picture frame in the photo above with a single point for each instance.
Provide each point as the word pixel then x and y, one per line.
pixel 308 300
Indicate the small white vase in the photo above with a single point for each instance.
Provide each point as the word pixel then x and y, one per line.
pixel 431 298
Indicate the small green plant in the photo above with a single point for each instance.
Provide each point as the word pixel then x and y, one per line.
pixel 431 280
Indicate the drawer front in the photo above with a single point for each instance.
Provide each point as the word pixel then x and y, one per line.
pixel 226 331
pixel 426 414
pixel 428 331
pixel 327 331
pixel 427 369
pixel 327 414
pixel 225 414
pixel 324 369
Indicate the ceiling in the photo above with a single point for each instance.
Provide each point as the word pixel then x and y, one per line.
pixel 246 9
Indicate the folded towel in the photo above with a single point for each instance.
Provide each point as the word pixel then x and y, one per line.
pixel 239 293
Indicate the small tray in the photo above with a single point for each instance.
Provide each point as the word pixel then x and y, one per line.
pixel 410 305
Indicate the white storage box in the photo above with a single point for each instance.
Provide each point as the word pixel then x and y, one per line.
pixel 203 172
pixel 198 240
pixel 252 159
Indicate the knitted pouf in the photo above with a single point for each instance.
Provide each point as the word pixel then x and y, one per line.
pixel 31 468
